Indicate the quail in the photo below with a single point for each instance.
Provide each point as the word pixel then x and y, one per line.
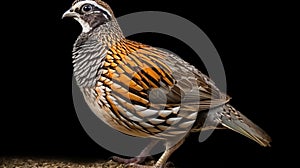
pixel 144 91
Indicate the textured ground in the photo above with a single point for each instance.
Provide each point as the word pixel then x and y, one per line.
pixel 50 163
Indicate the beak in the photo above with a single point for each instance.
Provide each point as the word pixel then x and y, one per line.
pixel 69 13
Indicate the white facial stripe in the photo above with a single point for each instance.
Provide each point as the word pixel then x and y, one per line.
pixel 80 3
pixel 85 26
pixel 104 14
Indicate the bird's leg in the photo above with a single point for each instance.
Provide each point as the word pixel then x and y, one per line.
pixel 141 157
pixel 161 163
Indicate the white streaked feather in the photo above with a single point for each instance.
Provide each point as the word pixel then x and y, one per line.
pixel 81 64
pixel 156 121
pixel 104 71
pixel 173 120
pixel 163 127
pixel 117 86
pixel 110 82
pixel 176 132
pixel 146 125
pixel 102 78
pixel 134 118
pixel 186 124
pixel 139 108
pixel 121 100
pixel 175 109
pixel 147 113
pixel 164 113
pixel 107 104
pixel 99 83
pixel 129 114
pixel 107 80
pixel 108 89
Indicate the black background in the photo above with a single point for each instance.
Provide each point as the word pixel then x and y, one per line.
pixel 38 118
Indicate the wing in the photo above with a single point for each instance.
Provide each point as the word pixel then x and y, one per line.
pixel 160 77
pixel 155 77
pixel 150 86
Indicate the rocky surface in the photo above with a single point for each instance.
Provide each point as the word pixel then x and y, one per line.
pixel 51 163
pixel 31 162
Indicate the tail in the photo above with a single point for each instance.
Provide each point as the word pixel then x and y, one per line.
pixel 234 120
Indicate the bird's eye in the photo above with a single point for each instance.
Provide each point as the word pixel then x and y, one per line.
pixel 86 8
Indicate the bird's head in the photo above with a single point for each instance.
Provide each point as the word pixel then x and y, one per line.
pixel 90 13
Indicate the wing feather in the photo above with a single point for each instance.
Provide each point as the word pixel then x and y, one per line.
pixel 140 69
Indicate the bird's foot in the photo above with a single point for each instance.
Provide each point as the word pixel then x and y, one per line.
pixel 135 160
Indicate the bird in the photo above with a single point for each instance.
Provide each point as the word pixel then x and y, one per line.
pixel 144 91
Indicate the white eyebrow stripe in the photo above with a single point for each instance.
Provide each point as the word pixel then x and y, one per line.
pixel 80 3
pixel 105 15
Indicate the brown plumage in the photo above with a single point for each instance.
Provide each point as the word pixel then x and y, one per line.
pixel 143 91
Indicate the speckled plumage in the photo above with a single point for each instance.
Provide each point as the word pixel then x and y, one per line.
pixel 143 91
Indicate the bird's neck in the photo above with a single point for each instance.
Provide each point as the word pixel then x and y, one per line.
pixel 108 33
pixel 90 50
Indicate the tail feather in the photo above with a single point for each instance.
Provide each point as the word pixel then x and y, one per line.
pixel 234 120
